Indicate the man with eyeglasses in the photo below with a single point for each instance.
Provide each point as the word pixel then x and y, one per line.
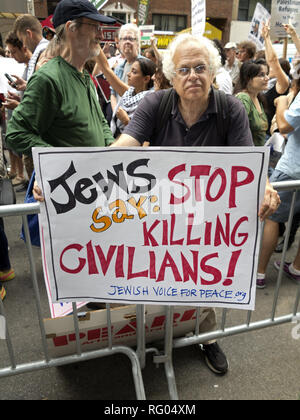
pixel 129 41
pixel 191 64
pixel 60 107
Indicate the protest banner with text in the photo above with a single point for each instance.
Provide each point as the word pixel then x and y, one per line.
pixel 173 226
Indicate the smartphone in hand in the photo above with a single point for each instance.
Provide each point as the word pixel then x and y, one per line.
pixel 13 83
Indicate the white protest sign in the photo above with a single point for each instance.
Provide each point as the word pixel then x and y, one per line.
pixel 198 17
pixel 284 12
pixel 174 226
pixel 261 15
pixel 147 31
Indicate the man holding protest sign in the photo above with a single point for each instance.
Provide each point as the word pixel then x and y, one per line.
pixel 60 105
pixel 192 118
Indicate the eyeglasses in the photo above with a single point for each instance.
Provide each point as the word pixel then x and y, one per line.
pixel 97 26
pixel 186 71
pixel 128 38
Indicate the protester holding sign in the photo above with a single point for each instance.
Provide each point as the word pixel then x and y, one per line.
pixel 290 30
pixel 191 64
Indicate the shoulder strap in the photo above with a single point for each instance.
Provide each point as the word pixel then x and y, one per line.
pixel 164 110
pixel 222 113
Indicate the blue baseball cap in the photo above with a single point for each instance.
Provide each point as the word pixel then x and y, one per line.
pixel 73 9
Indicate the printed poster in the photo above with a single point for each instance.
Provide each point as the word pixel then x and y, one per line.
pixel 168 226
pixel 284 12
pixel 261 16
pixel 198 17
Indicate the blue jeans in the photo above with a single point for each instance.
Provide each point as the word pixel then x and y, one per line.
pixel 4 258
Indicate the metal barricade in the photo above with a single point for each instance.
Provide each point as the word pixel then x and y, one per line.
pixel 138 356
pixel 248 326
pixel 15 368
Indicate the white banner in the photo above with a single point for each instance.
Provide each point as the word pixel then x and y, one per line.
pixel 284 12
pixel 261 15
pixel 198 17
pixel 174 226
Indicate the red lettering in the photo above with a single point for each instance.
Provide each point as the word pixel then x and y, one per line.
pixel 217 275
pixel 105 262
pixel 173 172
pixel 172 241
pixel 235 183
pixel 168 262
pixel 91 259
pixel 148 235
pixel 81 264
pixel 130 274
pixel 197 171
pixel 240 235
pixel 220 231
pixel 218 172
pixel 187 270
pixel 119 270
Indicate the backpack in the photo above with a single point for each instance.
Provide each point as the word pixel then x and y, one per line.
pixel 165 108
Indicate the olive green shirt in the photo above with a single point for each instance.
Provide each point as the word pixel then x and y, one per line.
pixel 60 108
pixel 258 121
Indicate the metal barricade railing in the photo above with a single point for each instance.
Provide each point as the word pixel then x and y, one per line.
pixel 248 326
pixel 15 368
pixel 138 356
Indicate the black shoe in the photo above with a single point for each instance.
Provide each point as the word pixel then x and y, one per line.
pixel 215 358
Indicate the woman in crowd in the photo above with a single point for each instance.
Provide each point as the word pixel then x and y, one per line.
pixel 140 83
pixel 254 80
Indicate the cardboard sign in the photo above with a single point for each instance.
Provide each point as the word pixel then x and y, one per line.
pixel 93 329
pixel 174 226
pixel 284 12
pixel 261 15
pixel 198 17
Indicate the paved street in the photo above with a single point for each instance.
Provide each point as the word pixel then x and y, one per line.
pixel 264 364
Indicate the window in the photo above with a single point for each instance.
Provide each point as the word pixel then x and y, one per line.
pixel 172 23
pixel 247 8
pixel 120 16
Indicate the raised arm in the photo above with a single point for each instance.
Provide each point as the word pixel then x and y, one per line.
pixel 282 83
pixel 290 30
pixel 103 65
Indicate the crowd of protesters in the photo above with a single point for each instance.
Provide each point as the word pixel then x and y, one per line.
pixel 58 102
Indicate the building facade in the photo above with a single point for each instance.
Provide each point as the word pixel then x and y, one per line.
pixel 167 15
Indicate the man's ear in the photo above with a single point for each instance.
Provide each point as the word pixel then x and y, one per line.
pixel 70 26
pixel 28 33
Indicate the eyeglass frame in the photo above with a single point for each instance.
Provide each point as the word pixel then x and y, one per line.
pixel 128 38
pixel 203 66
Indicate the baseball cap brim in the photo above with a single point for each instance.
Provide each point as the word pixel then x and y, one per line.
pixel 98 17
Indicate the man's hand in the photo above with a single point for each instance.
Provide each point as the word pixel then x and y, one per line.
pixel 271 202
pixel 290 30
pixel 37 193
pixel 12 100
pixel 19 82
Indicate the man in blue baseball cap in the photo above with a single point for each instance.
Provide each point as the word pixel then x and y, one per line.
pixel 60 106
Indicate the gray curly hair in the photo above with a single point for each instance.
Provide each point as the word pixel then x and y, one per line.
pixel 214 56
